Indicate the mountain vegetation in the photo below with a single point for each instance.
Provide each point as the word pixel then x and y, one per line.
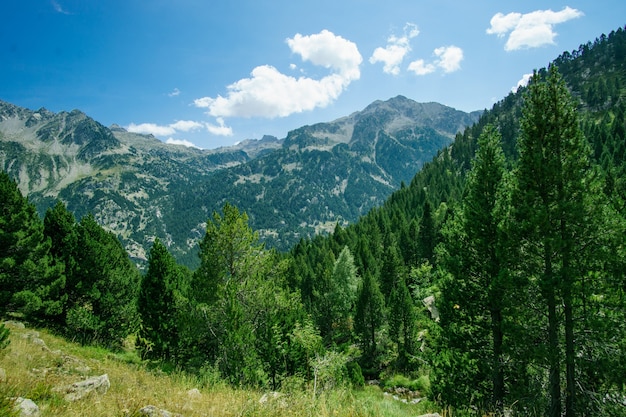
pixel 140 188
pixel 492 284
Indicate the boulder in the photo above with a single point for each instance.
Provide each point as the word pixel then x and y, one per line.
pixel 194 393
pixel 429 302
pixel 15 324
pixel 152 411
pixel 273 396
pixel 26 407
pixel 78 390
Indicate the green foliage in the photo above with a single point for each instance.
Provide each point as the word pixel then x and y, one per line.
pixel 242 317
pixel 4 337
pixel 158 303
pixel 472 303
pixel 368 321
pixel 30 281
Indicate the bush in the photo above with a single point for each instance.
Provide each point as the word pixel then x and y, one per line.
pixel 421 384
pixel 355 376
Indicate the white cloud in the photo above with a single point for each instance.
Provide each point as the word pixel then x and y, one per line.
pixel 58 8
pixel 175 92
pixel 270 93
pixel 182 142
pixel 220 129
pixel 186 125
pixel 397 48
pixel 523 82
pixel 151 129
pixel 530 30
pixel 448 60
pixel 167 130
pixel 419 67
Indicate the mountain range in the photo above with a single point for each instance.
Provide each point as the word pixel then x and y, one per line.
pixel 140 188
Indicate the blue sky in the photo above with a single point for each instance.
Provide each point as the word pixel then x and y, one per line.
pixel 212 73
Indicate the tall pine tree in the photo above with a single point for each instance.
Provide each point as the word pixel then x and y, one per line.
pixel 158 293
pixel 552 223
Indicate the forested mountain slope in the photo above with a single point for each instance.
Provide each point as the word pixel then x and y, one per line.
pixel 418 243
pixel 141 188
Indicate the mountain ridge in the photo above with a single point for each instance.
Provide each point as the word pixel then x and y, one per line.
pixel 141 188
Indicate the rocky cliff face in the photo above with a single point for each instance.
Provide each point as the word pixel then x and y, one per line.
pixel 141 188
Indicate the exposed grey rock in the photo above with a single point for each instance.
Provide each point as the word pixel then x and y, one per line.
pixel 78 390
pixel 15 324
pixel 273 396
pixel 26 407
pixel 152 411
pixel 194 393
pixel 430 415
pixel 429 302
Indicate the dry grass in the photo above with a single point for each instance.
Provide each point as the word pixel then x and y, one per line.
pixel 33 371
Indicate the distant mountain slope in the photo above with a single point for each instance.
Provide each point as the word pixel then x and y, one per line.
pixel 141 188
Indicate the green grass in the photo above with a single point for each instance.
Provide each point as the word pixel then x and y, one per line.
pixel 33 372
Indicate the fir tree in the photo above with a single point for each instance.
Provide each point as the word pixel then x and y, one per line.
pixel 30 280
pixel 156 303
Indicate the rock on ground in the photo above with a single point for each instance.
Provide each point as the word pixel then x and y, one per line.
pixel 26 407
pixel 76 391
pixel 152 411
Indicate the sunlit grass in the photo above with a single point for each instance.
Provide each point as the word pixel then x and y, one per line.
pixel 33 371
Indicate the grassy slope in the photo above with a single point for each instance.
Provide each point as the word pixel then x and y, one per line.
pixel 33 371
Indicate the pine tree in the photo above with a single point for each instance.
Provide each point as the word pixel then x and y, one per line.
pixel 473 295
pixel 551 215
pixel 341 297
pixel 160 287
pixel 30 280
pixel 107 282
pixel 369 318
pixel 402 323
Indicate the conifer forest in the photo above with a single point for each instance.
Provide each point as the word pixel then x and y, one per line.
pixel 495 281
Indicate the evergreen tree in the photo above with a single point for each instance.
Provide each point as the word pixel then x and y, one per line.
pixel 473 295
pixel 241 308
pixel 553 222
pixel 107 282
pixel 61 227
pixel 157 303
pixel 368 320
pixel 402 323
pixel 30 280
pixel 427 236
pixel 341 297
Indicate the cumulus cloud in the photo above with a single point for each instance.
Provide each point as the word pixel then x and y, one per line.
pixel 151 129
pixel 530 30
pixel 397 48
pixel 419 67
pixel 448 59
pixel 270 93
pixel 186 125
pixel 220 129
pixel 180 126
pixel 182 142
pixel 523 82
pixel 175 92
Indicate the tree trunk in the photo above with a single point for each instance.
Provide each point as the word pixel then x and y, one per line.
pixel 570 366
pixel 553 356
pixel 498 375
